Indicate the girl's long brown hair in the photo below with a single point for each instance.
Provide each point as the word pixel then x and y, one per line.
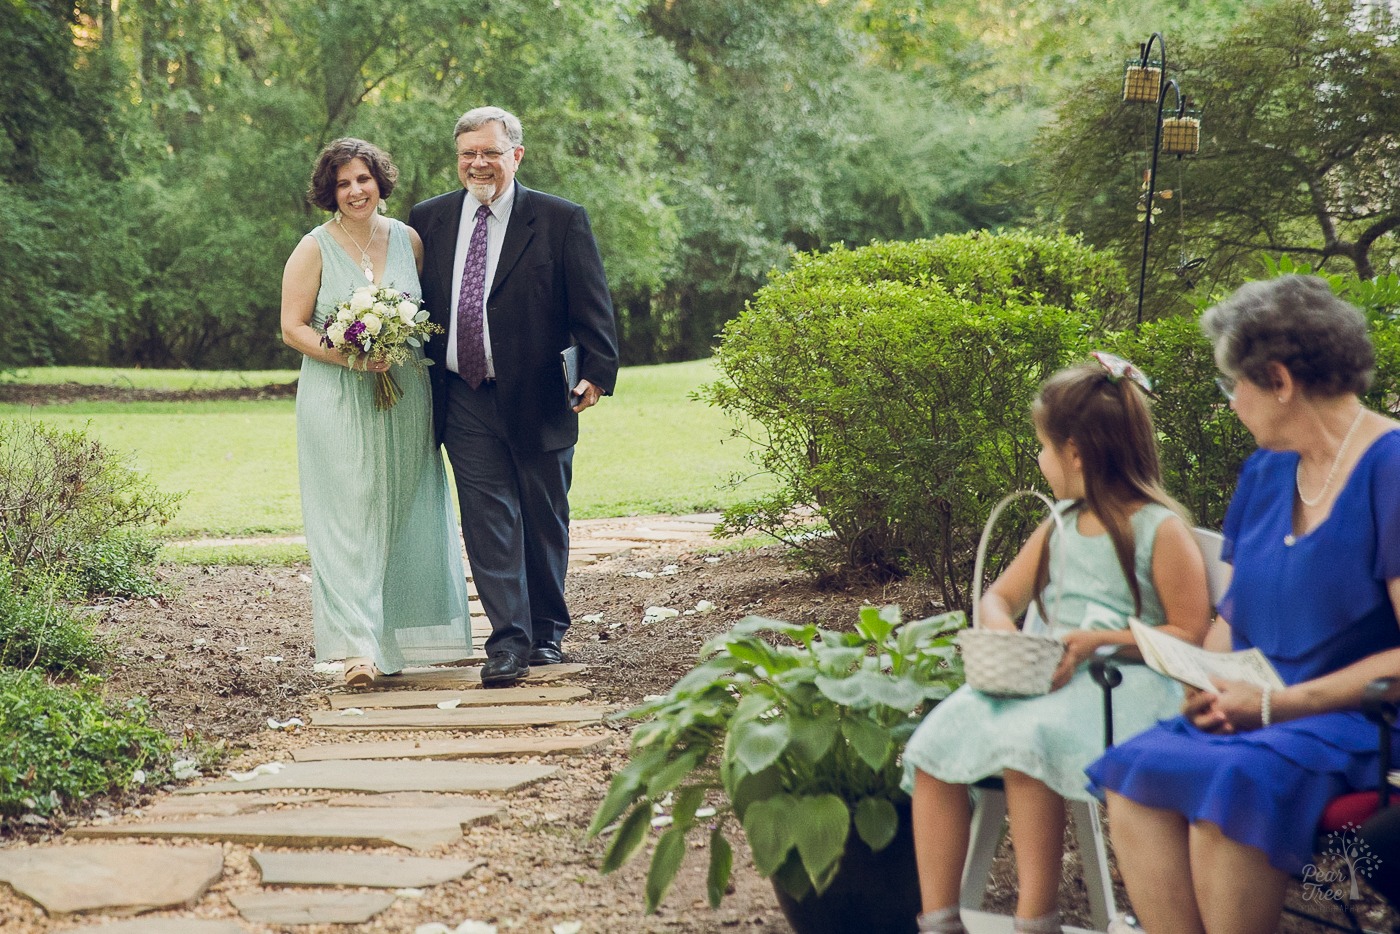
pixel 1109 422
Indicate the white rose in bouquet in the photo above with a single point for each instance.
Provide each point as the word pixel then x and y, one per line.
pixel 407 311
pixel 382 310
pixel 361 299
pixel 336 332
pixel 373 323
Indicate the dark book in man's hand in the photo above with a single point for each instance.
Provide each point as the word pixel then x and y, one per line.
pixel 568 360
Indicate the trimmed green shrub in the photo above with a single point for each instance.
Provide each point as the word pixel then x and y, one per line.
pixel 61 744
pixel 1202 442
pixel 898 410
pixel 72 506
pixel 39 629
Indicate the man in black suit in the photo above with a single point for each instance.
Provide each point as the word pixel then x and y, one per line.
pixel 514 277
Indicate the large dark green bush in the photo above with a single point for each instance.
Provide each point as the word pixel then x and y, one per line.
pixel 893 400
pixel 68 505
pixel 59 745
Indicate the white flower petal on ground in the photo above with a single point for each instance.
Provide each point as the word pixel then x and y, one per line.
pixel 644 575
pixel 184 768
pixel 409 893
pixel 272 658
pixel 306 578
pixel 450 704
pixel 704 812
pixel 592 618
pixel 665 820
pixel 267 768
pixel 657 613
pixel 290 725
pixel 474 927
pixel 139 777
pixel 352 712
pixel 432 927
pixel 713 559
pixel 670 569
pixel 328 668
pixel 703 606
pixel 567 927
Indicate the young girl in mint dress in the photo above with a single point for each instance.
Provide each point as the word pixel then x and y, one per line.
pixel 1125 551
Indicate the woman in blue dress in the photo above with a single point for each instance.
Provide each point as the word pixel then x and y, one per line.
pixel 387 587
pixel 1212 811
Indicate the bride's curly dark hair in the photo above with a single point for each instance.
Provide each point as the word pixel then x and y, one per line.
pixel 339 152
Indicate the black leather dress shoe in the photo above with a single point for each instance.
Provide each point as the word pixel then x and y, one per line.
pixel 503 669
pixel 546 653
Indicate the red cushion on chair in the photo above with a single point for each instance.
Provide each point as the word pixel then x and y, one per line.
pixel 1348 809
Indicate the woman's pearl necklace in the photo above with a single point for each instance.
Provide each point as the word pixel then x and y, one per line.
pixel 1336 462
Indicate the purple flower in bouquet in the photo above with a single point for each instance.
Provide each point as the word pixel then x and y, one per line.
pixel 355 332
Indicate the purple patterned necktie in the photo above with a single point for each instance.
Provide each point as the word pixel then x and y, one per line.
pixel 471 344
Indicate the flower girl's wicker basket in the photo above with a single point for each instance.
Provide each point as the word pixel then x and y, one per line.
pixel 1009 664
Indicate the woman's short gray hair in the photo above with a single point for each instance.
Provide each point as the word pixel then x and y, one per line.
pixel 1296 321
pixel 478 117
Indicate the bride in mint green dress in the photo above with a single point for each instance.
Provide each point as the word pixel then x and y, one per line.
pixel 388 587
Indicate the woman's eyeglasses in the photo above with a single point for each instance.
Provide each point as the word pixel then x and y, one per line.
pixel 1118 368
pixel 1227 386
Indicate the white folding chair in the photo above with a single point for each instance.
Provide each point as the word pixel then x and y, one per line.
pixel 989 811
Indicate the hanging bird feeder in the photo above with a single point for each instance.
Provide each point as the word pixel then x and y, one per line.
pixel 1181 133
pixel 1142 80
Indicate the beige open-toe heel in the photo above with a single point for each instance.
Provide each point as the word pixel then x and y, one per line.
pixel 359 672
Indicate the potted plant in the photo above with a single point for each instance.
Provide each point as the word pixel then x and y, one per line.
pixel 803 742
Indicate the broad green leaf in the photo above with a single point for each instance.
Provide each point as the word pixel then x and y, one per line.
pixel 622 792
pixel 812 736
pixel 665 862
pixel 769 826
pixel 631 835
pixel 876 625
pixel 793 878
pixel 872 742
pixel 865 689
pixel 674 772
pixel 721 863
pixel 877 822
pixel 822 824
pixel 837 658
pixel 688 801
pixel 758 744
pixel 753 787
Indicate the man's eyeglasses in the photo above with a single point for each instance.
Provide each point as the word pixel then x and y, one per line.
pixel 490 155
pixel 1118 368
pixel 1227 386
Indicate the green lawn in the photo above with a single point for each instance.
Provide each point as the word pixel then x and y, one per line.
pixel 647 449
pixel 148 379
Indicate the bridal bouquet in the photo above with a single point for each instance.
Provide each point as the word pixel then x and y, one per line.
pixel 380 325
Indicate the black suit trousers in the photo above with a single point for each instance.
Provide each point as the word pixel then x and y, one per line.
pixel 515 519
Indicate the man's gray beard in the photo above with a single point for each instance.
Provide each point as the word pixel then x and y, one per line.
pixel 482 193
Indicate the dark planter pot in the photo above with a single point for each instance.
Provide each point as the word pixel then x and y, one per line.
pixel 873 893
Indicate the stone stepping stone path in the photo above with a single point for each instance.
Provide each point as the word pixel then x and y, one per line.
pixel 410 787
pixel 410 794
pixel 465 697
pixel 134 877
pixel 411 828
pixel 381 776
pixel 461 677
pixel 452 748
pixel 291 907
pixel 471 718
pixel 363 869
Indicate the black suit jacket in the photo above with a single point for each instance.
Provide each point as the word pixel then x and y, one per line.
pixel 549 292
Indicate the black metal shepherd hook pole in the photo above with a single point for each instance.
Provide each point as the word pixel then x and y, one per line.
pixel 1162 85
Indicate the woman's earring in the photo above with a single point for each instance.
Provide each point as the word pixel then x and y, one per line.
pixel 337 216
pixel 381 208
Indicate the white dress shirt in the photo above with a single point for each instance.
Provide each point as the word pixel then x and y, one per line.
pixel 495 236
